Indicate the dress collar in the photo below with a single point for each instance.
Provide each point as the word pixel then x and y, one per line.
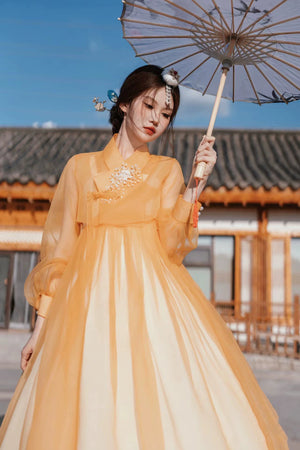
pixel 114 159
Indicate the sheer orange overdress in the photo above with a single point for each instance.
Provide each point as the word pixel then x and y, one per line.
pixel 131 355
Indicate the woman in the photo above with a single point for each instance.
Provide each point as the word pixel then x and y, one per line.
pixel 127 353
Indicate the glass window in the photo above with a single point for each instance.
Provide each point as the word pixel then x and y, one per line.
pixel 295 257
pixel 246 273
pixel 20 308
pixel 277 271
pixel 211 266
pixel 223 251
pixel 202 276
pixel 4 285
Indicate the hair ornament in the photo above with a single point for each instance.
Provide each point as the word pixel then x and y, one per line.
pixel 171 78
pixel 99 105
pixel 112 96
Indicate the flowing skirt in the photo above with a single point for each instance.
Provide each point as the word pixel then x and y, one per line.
pixel 132 356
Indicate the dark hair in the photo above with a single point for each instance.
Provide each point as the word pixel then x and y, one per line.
pixel 140 80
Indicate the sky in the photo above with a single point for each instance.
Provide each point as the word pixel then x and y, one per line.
pixel 56 56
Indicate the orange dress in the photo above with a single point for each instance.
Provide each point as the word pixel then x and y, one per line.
pixel 131 355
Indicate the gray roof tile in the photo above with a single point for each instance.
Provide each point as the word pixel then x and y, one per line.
pixel 246 158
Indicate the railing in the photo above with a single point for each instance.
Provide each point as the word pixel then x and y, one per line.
pixel 259 330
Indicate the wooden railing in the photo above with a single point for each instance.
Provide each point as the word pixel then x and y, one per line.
pixel 275 332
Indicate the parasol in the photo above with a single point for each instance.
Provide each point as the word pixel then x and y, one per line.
pixel 254 44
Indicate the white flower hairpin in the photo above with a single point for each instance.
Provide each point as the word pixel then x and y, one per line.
pixel 99 106
pixel 171 78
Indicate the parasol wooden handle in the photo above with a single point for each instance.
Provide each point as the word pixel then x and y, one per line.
pixel 200 169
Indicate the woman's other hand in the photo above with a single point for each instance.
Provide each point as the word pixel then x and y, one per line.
pixel 29 347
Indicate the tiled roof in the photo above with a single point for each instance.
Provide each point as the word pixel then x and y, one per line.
pixel 246 158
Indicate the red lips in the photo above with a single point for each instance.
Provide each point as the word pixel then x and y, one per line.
pixel 149 130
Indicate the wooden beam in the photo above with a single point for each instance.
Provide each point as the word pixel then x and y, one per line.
pixel 262 196
pixel 27 218
pixel 19 247
pixel 29 191
pixel 249 195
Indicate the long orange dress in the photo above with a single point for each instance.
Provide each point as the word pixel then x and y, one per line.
pixel 131 355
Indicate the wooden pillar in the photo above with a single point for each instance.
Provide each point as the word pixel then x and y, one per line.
pixel 296 320
pixel 287 278
pixel 263 269
pixel 237 276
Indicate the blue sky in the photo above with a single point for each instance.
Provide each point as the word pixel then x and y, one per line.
pixel 57 56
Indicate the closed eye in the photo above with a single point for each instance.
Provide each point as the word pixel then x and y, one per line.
pixel 148 105
pixel 167 116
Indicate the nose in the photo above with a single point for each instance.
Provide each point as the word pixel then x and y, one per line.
pixel 154 118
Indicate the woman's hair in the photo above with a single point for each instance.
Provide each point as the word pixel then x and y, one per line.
pixel 140 80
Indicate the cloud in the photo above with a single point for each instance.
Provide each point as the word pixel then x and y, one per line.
pixel 48 124
pixel 194 105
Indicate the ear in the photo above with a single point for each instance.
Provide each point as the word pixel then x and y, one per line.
pixel 123 107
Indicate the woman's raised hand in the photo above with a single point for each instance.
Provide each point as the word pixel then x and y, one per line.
pixel 205 153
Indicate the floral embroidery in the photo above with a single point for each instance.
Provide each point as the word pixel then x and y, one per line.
pixel 121 179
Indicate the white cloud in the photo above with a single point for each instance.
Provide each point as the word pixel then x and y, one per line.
pixel 193 104
pixel 48 124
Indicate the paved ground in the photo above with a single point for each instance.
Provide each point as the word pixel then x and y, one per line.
pixel 278 377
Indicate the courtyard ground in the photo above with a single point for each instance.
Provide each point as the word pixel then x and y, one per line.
pixel 278 377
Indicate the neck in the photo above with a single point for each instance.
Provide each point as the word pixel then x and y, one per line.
pixel 126 142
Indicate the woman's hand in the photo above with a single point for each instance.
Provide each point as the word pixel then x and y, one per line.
pixel 27 351
pixel 29 347
pixel 205 153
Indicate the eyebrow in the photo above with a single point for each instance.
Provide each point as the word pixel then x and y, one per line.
pixel 153 100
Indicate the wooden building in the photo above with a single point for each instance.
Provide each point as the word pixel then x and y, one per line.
pixel 248 258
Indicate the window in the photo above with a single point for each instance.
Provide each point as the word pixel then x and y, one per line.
pixel 223 250
pixel 277 272
pixel 211 266
pixel 5 287
pixel 295 260
pixel 15 311
pixel 246 274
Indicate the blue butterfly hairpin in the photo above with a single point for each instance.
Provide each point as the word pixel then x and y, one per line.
pixel 99 106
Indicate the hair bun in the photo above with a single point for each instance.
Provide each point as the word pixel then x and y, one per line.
pixel 116 118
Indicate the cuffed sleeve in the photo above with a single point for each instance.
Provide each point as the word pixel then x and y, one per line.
pixel 60 234
pixel 175 219
pixel 44 305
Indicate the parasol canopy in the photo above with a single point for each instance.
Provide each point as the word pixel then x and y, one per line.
pixel 260 39
pixel 257 39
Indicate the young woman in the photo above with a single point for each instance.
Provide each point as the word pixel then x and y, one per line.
pixel 127 353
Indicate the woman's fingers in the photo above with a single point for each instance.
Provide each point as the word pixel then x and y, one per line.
pixel 207 140
pixel 206 159
pixel 206 155
pixel 25 356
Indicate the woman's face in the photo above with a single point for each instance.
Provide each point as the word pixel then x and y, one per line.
pixel 148 116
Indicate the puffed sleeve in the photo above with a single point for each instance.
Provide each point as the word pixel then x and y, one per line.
pixel 59 237
pixel 175 218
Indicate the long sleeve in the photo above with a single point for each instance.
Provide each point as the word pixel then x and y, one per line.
pixel 59 237
pixel 175 227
